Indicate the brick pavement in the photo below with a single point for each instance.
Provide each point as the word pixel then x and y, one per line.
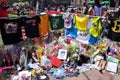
pixel 95 75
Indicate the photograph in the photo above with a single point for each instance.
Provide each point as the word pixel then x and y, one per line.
pixel 62 54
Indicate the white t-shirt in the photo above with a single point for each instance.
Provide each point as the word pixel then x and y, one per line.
pixel 68 20
pixel 84 36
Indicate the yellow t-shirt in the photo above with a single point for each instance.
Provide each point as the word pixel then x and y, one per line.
pixel 96 27
pixel 44 26
pixel 81 22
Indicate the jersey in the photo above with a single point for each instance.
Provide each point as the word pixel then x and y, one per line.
pixel 96 27
pixel 31 26
pixel 68 18
pixel 56 22
pixel 81 22
pixel 114 32
pixel 10 31
pixel 71 31
pixel 44 25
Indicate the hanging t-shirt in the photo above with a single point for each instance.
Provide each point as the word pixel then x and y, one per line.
pixel 81 22
pixel 31 26
pixel 71 31
pixel 44 25
pixel 114 32
pixel 93 40
pixel 83 36
pixel 96 27
pixel 56 22
pixel 11 31
pixel 68 20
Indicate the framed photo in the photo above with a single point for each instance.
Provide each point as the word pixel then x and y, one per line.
pixel 112 67
pixel 62 54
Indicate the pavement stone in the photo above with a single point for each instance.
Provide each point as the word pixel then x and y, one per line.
pixel 95 75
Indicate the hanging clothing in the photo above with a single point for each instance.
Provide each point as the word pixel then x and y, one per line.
pixel 83 36
pixel 11 31
pixel 114 32
pixel 71 31
pixel 68 20
pixel 81 22
pixel 93 40
pixel 31 26
pixel 96 27
pixel 44 26
pixel 56 22
pixel 69 25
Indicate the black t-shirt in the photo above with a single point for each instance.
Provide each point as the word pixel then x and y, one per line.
pixel 31 26
pixel 10 31
pixel 114 32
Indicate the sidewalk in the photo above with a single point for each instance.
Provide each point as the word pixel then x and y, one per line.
pixel 95 75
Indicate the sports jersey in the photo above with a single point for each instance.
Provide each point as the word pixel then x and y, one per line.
pixel 81 22
pixel 44 25
pixel 93 40
pixel 71 31
pixel 114 32
pixel 31 26
pixel 11 31
pixel 83 36
pixel 68 20
pixel 56 22
pixel 96 27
